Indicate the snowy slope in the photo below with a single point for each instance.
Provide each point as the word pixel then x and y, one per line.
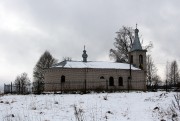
pixel 134 106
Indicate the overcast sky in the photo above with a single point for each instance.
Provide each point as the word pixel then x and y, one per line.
pixel 29 27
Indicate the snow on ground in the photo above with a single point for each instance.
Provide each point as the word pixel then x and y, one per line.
pixel 122 106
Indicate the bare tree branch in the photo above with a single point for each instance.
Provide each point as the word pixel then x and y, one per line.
pixel 123 44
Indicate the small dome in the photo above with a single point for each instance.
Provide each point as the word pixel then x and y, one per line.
pixel 136 30
pixel 84 55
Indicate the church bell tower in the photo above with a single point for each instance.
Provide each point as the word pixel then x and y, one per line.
pixel 137 55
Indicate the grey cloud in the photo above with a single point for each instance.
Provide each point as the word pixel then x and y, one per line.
pixel 64 27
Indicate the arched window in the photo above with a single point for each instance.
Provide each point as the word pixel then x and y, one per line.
pixel 111 81
pixel 62 79
pixel 120 81
pixel 102 77
pixel 140 59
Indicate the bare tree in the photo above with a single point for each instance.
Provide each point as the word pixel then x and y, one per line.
pixel 67 59
pixel 46 61
pixel 151 70
pixel 156 80
pixel 123 44
pixel 167 73
pixel 22 82
pixel 174 73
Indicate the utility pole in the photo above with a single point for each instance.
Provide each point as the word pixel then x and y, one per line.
pixel 174 73
pixel 11 87
pixel 19 87
pixel 106 84
pixel 166 85
pixel 130 75
pixel 85 81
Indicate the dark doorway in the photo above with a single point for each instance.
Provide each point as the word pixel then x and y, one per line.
pixel 62 79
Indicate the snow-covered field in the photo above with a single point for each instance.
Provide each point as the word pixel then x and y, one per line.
pixel 133 106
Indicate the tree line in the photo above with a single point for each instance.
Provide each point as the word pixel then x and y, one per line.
pixel 22 81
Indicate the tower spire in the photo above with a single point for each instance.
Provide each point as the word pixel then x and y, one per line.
pixel 136 44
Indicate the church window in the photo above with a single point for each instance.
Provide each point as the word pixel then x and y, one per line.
pixel 140 59
pixel 120 81
pixel 129 78
pixel 111 81
pixel 62 79
pixel 102 77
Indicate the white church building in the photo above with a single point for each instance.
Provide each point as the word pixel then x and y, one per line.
pixel 99 75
